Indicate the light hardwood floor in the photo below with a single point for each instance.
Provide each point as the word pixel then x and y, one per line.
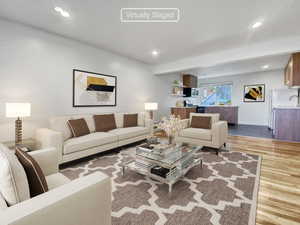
pixel 279 191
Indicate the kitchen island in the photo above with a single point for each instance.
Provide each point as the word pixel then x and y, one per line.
pixel 227 112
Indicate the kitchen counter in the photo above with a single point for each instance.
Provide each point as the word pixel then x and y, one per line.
pixel 187 107
pixel 218 106
pixel 286 107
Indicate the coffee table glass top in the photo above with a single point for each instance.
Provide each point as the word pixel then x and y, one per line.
pixel 168 156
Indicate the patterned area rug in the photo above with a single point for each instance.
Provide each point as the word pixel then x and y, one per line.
pixel 224 192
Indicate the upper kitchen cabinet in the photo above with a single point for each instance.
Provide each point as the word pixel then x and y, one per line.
pixel 292 71
pixel 189 81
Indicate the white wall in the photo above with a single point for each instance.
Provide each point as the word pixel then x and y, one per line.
pixel 251 113
pixel 167 100
pixel 36 67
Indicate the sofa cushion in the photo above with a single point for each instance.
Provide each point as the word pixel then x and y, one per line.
pixel 198 133
pixel 78 127
pixel 57 179
pixel 203 122
pixel 88 141
pixel 13 180
pixel 35 176
pixel 105 122
pixel 60 124
pixel 89 118
pixel 129 132
pixel 130 120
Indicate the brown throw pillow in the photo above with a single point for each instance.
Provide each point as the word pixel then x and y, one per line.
pixel 130 120
pixel 35 176
pixel 104 123
pixel 78 127
pixel 203 122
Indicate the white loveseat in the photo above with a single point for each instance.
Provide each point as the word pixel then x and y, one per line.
pixel 59 136
pixel 215 137
pixel 86 200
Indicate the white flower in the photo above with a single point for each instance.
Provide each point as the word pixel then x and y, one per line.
pixel 171 126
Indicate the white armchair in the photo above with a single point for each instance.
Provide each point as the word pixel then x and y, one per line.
pixel 216 137
pixel 86 200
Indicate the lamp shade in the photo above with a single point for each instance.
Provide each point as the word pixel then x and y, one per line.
pixel 18 109
pixel 151 106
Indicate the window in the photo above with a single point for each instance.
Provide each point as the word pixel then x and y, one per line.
pixel 213 94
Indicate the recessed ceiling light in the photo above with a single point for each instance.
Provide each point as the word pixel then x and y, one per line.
pixel 155 53
pixel 257 24
pixel 65 14
pixel 265 67
pixel 58 9
pixel 62 12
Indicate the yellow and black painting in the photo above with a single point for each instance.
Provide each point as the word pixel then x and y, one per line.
pixel 93 89
pixel 254 93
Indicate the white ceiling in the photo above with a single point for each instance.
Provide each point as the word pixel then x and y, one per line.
pixel 206 26
pixel 274 62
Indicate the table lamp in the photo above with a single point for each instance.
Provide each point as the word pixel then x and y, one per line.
pixel 18 110
pixel 151 106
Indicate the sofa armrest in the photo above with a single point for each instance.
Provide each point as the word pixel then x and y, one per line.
pixel 47 160
pixel 50 138
pixel 149 123
pixel 86 200
pixel 219 133
pixel 3 204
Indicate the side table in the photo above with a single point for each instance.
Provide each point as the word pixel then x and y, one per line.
pixel 30 143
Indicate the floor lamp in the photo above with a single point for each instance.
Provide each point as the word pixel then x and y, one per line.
pixel 18 110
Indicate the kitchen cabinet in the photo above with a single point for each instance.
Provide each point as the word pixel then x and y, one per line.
pixel 287 124
pixel 292 71
pixel 189 81
pixel 183 112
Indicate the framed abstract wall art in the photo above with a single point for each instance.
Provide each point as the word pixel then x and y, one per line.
pixel 94 89
pixel 254 93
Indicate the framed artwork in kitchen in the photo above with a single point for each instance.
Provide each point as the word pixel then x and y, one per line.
pixel 254 93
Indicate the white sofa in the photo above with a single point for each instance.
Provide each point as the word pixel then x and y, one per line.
pixel 59 136
pixel 85 200
pixel 216 137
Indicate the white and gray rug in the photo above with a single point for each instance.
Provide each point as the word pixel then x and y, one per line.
pixel 224 192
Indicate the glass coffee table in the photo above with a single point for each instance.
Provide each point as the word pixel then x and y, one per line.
pixel 162 162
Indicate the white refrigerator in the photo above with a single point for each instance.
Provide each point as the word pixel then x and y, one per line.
pixel 281 98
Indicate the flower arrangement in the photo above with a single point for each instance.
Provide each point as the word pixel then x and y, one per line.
pixel 171 126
